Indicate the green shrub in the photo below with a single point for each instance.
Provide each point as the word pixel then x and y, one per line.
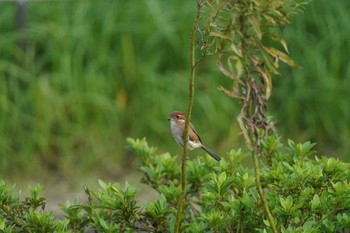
pixel 306 192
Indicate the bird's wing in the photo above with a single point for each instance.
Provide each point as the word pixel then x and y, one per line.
pixel 196 134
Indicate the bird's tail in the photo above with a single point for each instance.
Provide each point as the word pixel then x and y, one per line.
pixel 212 154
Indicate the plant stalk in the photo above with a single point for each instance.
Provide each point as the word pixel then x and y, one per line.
pixel 261 193
pixel 188 119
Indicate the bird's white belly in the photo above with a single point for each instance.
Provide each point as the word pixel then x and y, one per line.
pixel 193 145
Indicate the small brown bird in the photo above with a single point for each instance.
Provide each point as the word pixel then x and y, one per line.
pixel 177 126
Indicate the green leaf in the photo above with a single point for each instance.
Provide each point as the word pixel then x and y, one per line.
pixel 301 150
pixel 141 148
pixel 287 203
pixel 157 210
pixel 344 220
pixel 222 178
pixel 102 184
pixel 2 224
pixel 315 202
pixel 271 143
pixel 266 222
pixel 196 227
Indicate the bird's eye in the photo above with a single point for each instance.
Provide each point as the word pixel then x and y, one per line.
pixel 178 116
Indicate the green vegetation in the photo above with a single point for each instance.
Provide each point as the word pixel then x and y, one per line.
pixel 95 72
pixel 244 38
pixel 307 193
pixel 84 75
pixel 312 103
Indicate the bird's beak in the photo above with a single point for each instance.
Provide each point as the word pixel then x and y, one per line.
pixel 169 119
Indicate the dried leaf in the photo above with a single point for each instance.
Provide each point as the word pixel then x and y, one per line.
pixel 281 56
pixel 267 78
pixel 255 23
pixel 233 94
pixel 221 36
pixel 238 66
pixel 284 44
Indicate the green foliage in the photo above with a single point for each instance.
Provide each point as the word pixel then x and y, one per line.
pixel 68 102
pixel 306 193
pixel 27 215
pixel 314 97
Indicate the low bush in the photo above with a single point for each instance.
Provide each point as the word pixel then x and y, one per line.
pixel 306 192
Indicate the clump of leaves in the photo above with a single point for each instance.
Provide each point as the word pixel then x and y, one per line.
pixel 26 215
pixel 306 193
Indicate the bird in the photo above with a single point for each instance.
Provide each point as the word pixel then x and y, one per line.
pixel 177 126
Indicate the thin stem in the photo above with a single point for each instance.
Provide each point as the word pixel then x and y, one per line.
pixel 261 193
pixel 188 119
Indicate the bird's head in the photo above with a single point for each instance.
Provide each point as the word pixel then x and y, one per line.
pixel 177 117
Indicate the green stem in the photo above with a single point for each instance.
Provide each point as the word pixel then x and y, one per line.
pixel 261 193
pixel 188 119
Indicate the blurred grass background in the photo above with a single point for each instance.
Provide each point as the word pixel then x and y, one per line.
pixel 95 72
